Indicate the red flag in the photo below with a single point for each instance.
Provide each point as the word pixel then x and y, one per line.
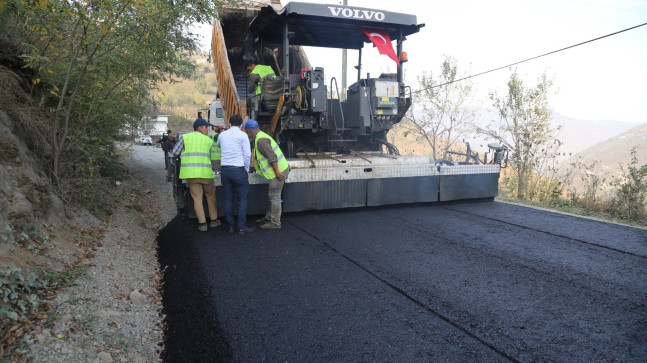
pixel 382 41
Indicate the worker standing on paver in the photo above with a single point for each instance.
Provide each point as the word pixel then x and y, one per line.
pixel 273 166
pixel 257 73
pixel 197 159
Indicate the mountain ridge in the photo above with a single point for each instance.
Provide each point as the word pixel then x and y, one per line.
pixel 615 151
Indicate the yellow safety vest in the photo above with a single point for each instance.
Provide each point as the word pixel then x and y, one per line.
pixel 262 166
pixel 262 71
pixel 196 156
pixel 217 154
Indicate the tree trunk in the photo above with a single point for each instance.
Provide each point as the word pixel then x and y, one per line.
pixel 58 148
pixel 521 183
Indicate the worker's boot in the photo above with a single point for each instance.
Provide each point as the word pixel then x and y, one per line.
pixel 273 216
pixel 215 223
pixel 202 227
pixel 271 225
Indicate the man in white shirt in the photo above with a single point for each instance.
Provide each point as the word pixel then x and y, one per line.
pixel 236 155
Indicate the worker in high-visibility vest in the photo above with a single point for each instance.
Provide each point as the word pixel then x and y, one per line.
pixel 218 154
pixel 217 129
pixel 257 73
pixel 198 155
pixel 273 166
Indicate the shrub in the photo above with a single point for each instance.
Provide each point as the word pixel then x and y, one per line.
pixel 18 293
pixel 630 200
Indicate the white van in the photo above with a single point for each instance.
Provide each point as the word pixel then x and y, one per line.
pixel 215 115
pixel 143 140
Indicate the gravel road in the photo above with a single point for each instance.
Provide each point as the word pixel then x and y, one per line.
pixel 112 313
pixel 481 281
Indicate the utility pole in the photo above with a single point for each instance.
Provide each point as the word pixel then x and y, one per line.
pixel 343 68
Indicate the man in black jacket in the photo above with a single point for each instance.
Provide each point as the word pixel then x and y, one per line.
pixel 167 146
pixel 162 141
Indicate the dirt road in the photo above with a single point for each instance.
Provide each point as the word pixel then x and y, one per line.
pixel 147 162
pixel 483 281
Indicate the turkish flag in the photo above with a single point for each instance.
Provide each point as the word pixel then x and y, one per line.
pixel 382 41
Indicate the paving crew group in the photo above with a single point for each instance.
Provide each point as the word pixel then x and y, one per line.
pixel 229 152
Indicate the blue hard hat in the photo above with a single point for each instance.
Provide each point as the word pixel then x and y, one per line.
pixel 250 125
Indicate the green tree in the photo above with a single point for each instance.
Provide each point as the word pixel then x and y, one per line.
pixel 201 85
pixel 445 114
pixel 96 63
pixel 524 127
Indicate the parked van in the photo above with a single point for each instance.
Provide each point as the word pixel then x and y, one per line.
pixel 144 140
pixel 215 115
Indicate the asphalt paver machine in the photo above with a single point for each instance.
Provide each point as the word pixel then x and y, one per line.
pixel 337 148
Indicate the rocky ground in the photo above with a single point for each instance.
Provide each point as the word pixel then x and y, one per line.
pixel 113 312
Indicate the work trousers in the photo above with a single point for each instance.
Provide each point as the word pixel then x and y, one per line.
pixel 273 215
pixel 235 182
pixel 198 186
pixel 170 168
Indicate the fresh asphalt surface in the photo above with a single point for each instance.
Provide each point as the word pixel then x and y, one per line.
pixel 464 282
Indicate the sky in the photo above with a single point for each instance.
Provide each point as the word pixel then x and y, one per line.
pixel 601 80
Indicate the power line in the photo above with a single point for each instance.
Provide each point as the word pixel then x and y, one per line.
pixel 529 59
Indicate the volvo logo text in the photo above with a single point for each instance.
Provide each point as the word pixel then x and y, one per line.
pixel 356 13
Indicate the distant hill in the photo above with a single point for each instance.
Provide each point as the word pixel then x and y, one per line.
pixel 578 135
pixel 183 97
pixel 616 151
